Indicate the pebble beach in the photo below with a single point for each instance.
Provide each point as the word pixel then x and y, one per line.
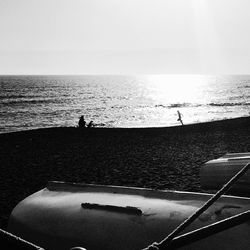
pixel 158 158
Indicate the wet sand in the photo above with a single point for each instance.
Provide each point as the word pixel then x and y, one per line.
pixel 161 158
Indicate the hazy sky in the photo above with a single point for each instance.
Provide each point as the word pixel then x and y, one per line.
pixel 124 36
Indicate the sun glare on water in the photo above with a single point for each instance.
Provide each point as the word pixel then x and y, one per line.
pixel 173 88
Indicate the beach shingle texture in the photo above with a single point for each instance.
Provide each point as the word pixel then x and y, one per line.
pixel 160 158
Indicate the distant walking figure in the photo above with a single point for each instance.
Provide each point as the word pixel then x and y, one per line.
pixel 82 123
pixel 179 117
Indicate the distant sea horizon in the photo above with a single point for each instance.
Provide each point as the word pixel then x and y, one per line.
pixel 42 101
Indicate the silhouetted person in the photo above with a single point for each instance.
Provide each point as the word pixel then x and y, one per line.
pixel 90 125
pixel 82 123
pixel 179 117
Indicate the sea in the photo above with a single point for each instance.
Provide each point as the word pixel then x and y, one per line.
pixel 32 102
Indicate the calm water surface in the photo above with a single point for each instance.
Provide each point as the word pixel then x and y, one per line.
pixel 29 102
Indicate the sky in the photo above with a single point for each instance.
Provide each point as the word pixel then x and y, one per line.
pixel 124 37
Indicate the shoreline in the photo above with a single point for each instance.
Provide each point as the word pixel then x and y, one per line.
pixel 158 158
pixel 206 123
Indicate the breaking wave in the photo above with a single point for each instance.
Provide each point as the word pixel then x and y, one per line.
pixel 28 101
pixel 177 105
pixel 229 104
pixel 213 104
